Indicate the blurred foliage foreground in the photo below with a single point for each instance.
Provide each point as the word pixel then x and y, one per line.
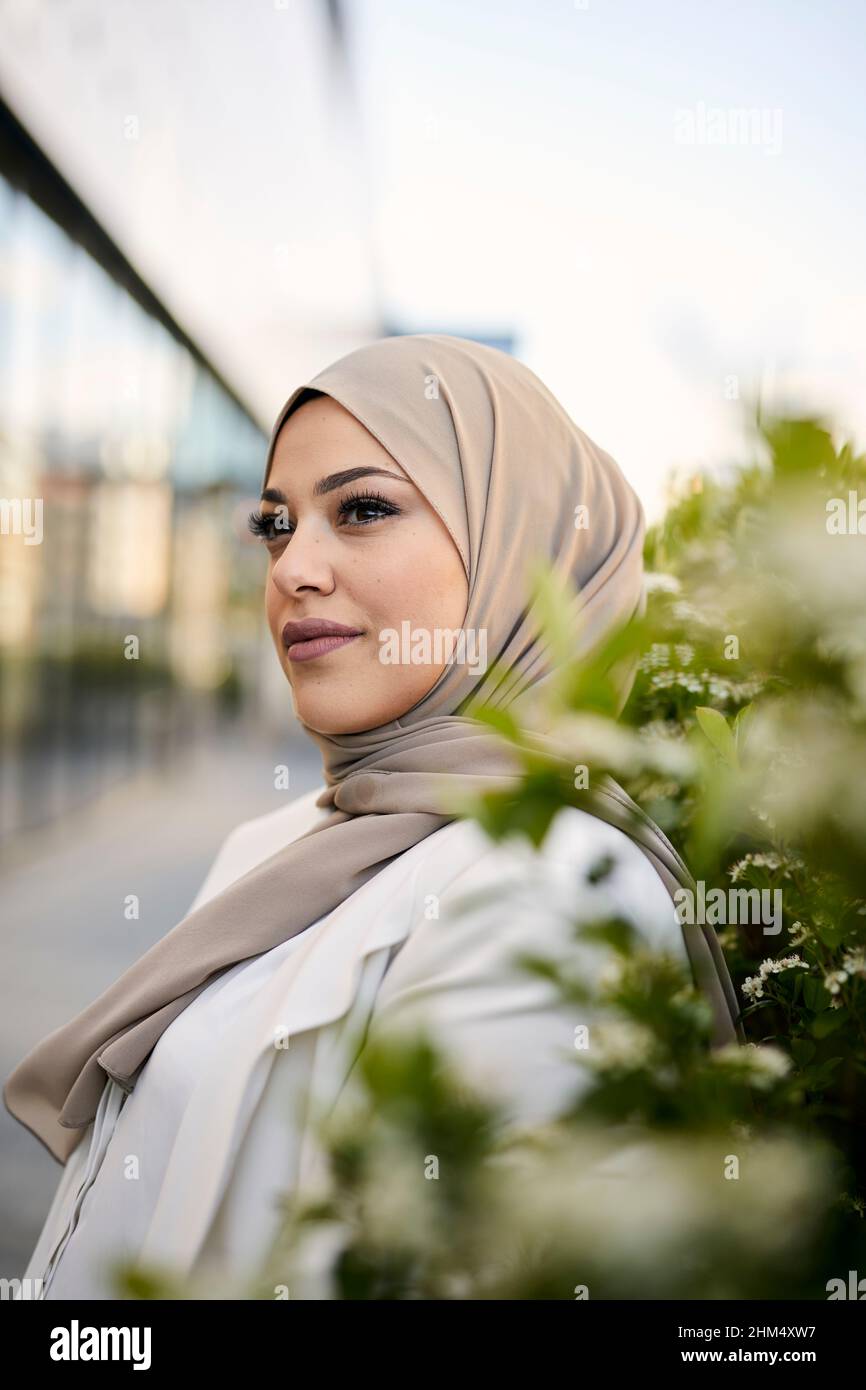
pixel 679 1170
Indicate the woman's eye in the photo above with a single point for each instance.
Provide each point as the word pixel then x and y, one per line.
pixel 274 528
pixel 360 511
pixel 269 526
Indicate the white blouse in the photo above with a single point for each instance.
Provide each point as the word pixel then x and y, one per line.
pixel 185 1172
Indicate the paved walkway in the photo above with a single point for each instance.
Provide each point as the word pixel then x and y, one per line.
pixel 65 937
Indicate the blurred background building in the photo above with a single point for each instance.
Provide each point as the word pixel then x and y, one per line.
pixel 131 626
pixel 127 622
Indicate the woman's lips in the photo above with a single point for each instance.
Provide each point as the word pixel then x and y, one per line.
pixel 318 646
pixel 311 637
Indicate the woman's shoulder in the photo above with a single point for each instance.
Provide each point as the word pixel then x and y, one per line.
pixel 583 863
pixel 461 975
pixel 273 829
pixel 255 840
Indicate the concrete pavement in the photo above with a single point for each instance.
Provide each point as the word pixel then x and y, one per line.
pixel 64 934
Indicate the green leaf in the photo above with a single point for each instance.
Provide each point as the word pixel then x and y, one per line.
pixel 742 724
pixel 832 934
pixel 715 727
pixel 828 1021
pixel 553 604
pixel 499 719
pixel 815 995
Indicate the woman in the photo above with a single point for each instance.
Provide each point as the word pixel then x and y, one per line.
pixel 408 487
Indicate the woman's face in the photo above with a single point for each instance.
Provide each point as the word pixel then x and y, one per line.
pixel 352 543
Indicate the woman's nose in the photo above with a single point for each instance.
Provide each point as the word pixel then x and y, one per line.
pixel 304 562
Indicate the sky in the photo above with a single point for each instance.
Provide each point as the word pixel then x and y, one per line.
pixel 578 174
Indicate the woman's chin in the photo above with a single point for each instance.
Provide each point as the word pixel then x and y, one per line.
pixel 331 713
pixel 329 726
pixel 341 715
pixel 337 706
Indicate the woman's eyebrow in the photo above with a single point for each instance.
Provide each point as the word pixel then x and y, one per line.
pixel 334 480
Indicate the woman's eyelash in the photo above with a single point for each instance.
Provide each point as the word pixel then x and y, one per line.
pixel 265 524
pixel 368 499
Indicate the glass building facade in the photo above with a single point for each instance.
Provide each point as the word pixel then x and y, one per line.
pixel 129 589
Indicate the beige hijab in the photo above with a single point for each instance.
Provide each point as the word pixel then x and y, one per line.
pixel 503 465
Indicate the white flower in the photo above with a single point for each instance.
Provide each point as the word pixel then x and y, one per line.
pixel 658 655
pixel 665 583
pixel 753 986
pixel 610 975
pixel 775 967
pixel 663 680
pixel 834 980
pixel 618 1043
pixel 770 861
pixel 769 1063
pixel 855 962
pixel 763 1065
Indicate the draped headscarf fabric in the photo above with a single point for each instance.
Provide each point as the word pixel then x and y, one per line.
pixel 503 465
